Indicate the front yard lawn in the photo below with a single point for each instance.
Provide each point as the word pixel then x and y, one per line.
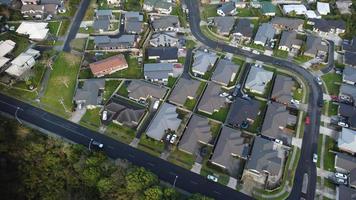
pixel 123 91
pixel 64 27
pixel 85 73
pixel 280 53
pixel 329 157
pixel 332 83
pixel 209 169
pixel 78 44
pixel 91 119
pixel 151 146
pixel 132 5
pixel 182 159
pixel 61 84
pixel 171 81
pixel 302 59
pixel 120 133
pixel 298 94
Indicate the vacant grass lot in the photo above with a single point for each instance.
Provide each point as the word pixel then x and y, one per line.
pixel 78 44
pixel 332 83
pixel 61 84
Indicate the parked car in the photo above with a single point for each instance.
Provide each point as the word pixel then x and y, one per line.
pixel 224 94
pixel 155 105
pixel 105 115
pixel 315 158
pixel 343 124
pixel 307 120
pixel 278 141
pixel 340 175
pixel 295 102
pixel 173 138
pixel 212 178
pixel 341 181
pixel 318 79
pixel 168 137
pixel 334 98
pixel 236 90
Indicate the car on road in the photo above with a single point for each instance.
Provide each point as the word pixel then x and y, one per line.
pixel 155 105
pixel 318 79
pixel 315 158
pixel 340 175
pixel 212 178
pixel 307 120
pixel 96 144
pixel 236 90
pixel 173 138
pixel 278 141
pixel 224 94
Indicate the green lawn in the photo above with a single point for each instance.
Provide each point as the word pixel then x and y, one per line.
pixel 78 44
pixel 248 12
pixel 333 109
pixel 332 82
pixel 134 71
pixel 221 115
pixel 171 81
pixel 209 169
pixel 178 11
pixel 302 59
pixel 121 133
pixel 320 139
pixel 211 35
pixel 22 42
pixel 61 84
pixel 329 157
pixel 280 53
pixel 110 87
pixel 190 44
pixel 89 14
pixel 91 119
pixel 151 146
pixel 123 91
pixel 182 159
pixel 208 11
pixel 298 94
pixel 132 5
pixel 85 73
pixel 53 27
pixel 190 104
pixel 64 27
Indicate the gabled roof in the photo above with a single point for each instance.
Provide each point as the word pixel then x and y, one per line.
pixel 347 140
pixel 165 119
pixel 350 46
pixel 265 32
pixel 224 70
pixel 231 145
pixel 326 25
pixel 89 93
pixel 165 22
pixel 257 79
pixel 111 63
pixel 158 4
pixel 314 45
pixel 349 74
pixel 6 47
pixel 287 23
pixel 282 89
pixel 344 192
pixel 299 9
pixel 267 7
pixel 197 132
pixel 164 38
pixel 185 87
pixel 241 110
pixel 101 24
pixel 348 111
pixel 23 62
pixel 349 58
pixel 203 61
pixel 133 25
pixel 141 89
pixel 35 30
pixel 158 70
pixel 227 7
pixel 164 53
pixel 211 100
pixel 348 90
pixel 224 24
pixel 128 114
pixel 346 163
pixel 244 27
pixel 101 13
pixel 276 122
pixel 106 41
pixel 132 14
pixel 289 39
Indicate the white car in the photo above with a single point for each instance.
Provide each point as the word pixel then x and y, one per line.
pixel 173 138
pixel 168 137
pixel 295 102
pixel 340 175
pixel 278 141
pixel 105 115
pixel 319 81
pixel 315 158
pixel 343 124
pixel 224 94
pixel 212 178
pixel 155 105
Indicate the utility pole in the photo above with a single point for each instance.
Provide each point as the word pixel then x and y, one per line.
pixel 17 109
pixel 175 180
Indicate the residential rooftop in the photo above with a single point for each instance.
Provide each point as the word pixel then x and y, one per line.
pixel 211 101
pixel 142 90
pixel 225 72
pixel 185 88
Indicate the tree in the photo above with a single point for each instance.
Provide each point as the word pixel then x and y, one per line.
pixel 153 193
pixel 199 197
pixel 170 194
pixel 139 179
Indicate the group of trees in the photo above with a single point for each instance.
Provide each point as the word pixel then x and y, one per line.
pixel 33 166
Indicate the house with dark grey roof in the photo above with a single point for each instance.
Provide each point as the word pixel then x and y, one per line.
pixel 165 23
pixel 166 119
pixel 266 162
pixel 197 133
pixel 225 72
pixel 315 47
pixel 288 24
pixel 244 30
pixel 347 141
pixel 324 27
pixel 102 20
pixel 289 42
pixel 160 6
pixel 230 148
pixel 349 112
pixel 349 75
pixel 279 123
pixel 226 9
pixel 185 88
pixel 108 43
pixel 89 95
pixel 163 54
pixel 350 52
pixel 164 39
pixel 265 33
pixel 258 79
pixel 347 94
pixel 211 101
pixel 243 111
pixel 224 25
pixel 133 22
pixel 344 192
pixel 122 113
pixel 158 72
pixel 203 62
pixel 268 8
pixel 142 90
pixel 346 164
pixel 282 89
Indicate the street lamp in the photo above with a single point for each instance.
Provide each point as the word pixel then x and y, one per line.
pixel 91 141
pixel 17 109
pixel 175 180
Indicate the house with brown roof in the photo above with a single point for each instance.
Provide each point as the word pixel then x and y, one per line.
pixel 108 65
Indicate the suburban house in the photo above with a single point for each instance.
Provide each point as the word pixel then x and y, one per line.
pixel 89 95
pixel 211 101
pixel 243 30
pixel 347 94
pixel 315 47
pixel 258 79
pixel 108 43
pixel 225 72
pixel 142 90
pixel 344 6
pixel 266 162
pixel 35 30
pixel 282 89
pixel 114 2
pixel 133 22
pixel 160 6
pixel 297 9
pixel 25 2
pixel 323 8
pixel 5 48
pixel 279 123
pixel 349 50
pixel 197 134
pixel 344 192
pixel 227 8
pixel 347 141
pixel 287 24
pixel 346 164
pixel 349 75
pixel 160 72
pixel 325 27
pixel 32 11
pixel 164 39
pixel 165 120
pixel 59 4
pixel 22 64
pixel 185 88
pixel 165 23
pixel 265 33
pixel 124 113
pixel 203 62
pixel 243 112
pixel 108 66
pixel 349 113
pixel 289 42
pixel 102 20
pixel 230 148
pixel 224 25
pixel 267 8
pixel 163 54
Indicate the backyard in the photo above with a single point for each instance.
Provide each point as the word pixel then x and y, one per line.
pixel 110 87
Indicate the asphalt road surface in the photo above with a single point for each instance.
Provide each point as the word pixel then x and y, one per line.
pixel 166 171
pixel 309 146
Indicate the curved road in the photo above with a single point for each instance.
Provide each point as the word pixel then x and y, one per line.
pixel 309 146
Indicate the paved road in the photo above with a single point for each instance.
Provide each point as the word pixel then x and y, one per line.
pixel 331 60
pixel 166 171
pixel 309 146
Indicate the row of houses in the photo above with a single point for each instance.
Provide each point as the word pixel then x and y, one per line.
pixel 40 9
